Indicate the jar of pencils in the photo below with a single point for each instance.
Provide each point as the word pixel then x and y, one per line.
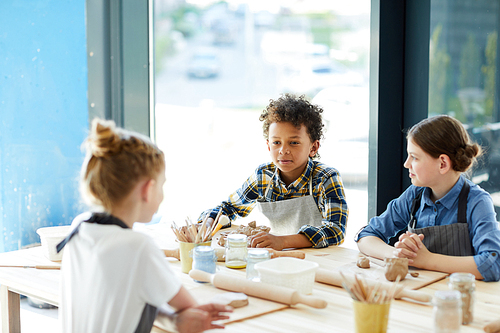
pixel 236 251
pixel 447 311
pixel 465 284
pixel 204 259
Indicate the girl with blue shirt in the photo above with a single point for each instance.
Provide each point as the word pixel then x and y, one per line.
pixel 450 221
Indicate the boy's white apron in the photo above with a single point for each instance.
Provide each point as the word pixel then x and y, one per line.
pixel 287 216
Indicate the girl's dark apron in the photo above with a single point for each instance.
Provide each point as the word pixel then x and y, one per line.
pixel 288 216
pixel 452 239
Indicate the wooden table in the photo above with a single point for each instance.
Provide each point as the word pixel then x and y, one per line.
pixel 404 316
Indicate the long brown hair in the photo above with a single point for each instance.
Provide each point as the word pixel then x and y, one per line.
pixel 445 135
pixel 116 160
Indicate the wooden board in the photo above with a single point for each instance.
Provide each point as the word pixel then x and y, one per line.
pixel 204 293
pixel 346 263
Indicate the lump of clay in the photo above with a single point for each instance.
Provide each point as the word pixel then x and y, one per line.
pixel 395 267
pixel 363 262
pixel 249 230
pixel 236 300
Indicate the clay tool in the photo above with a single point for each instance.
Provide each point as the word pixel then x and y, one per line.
pixel 257 289
pixel 223 220
pixel 334 278
pixel 200 237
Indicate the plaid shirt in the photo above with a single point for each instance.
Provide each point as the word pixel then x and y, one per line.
pixel 328 193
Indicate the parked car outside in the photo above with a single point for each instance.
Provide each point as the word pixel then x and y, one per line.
pixel 204 64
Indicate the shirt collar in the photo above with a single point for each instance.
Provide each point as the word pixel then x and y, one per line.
pixel 302 180
pixel 449 198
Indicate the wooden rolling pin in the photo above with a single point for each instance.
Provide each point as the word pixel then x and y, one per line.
pixel 221 252
pixel 334 278
pixel 262 290
pixel 492 327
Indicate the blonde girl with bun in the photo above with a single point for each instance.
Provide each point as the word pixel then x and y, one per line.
pixel 113 278
pixel 443 221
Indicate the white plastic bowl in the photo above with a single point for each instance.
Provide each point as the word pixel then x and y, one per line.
pixel 293 273
pixel 50 237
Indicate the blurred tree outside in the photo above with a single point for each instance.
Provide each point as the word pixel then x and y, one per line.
pixel 470 92
pixel 439 63
pixel 470 64
pixel 489 71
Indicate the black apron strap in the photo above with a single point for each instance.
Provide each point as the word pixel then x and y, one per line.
pixel 415 205
pixel 99 218
pixel 147 319
pixel 462 203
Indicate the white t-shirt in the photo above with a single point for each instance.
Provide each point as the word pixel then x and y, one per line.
pixel 109 274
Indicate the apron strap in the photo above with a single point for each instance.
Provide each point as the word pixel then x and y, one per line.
pixel 415 204
pixel 99 218
pixel 462 203
pixel 269 185
pixel 271 181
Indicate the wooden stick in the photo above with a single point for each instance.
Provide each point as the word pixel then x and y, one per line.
pixel 34 266
pixel 393 288
pixel 361 287
pixel 218 215
pixel 216 228
pixel 215 223
pixel 374 292
pixel 178 234
pixel 201 233
pixel 192 229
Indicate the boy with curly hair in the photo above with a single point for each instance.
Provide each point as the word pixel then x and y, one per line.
pixel 302 198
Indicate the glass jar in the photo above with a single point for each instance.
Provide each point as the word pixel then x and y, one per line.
pixel 447 311
pixel 236 251
pixel 254 256
pixel 465 284
pixel 204 259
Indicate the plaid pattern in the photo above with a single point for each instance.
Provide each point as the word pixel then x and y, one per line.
pixel 328 192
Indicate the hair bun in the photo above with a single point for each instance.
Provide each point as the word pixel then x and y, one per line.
pixel 103 139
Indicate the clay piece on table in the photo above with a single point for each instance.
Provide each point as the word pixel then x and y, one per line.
pixel 395 267
pixel 236 300
pixel 249 230
pixel 414 274
pixel 363 262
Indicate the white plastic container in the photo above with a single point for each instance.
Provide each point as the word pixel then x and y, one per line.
pixel 288 272
pixel 50 237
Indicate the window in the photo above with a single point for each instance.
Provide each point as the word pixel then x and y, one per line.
pixel 463 77
pixel 217 65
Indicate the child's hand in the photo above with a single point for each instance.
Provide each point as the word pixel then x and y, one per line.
pixel 201 317
pixel 264 239
pixel 411 241
pixel 409 245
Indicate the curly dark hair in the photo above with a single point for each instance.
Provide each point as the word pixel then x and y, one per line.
pixel 297 111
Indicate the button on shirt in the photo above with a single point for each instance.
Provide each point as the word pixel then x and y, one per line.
pixel 328 192
pixel 483 228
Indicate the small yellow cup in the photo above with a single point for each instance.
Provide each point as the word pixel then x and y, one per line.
pixel 185 252
pixel 371 317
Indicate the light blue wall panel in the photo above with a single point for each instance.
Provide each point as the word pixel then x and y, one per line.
pixel 43 115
